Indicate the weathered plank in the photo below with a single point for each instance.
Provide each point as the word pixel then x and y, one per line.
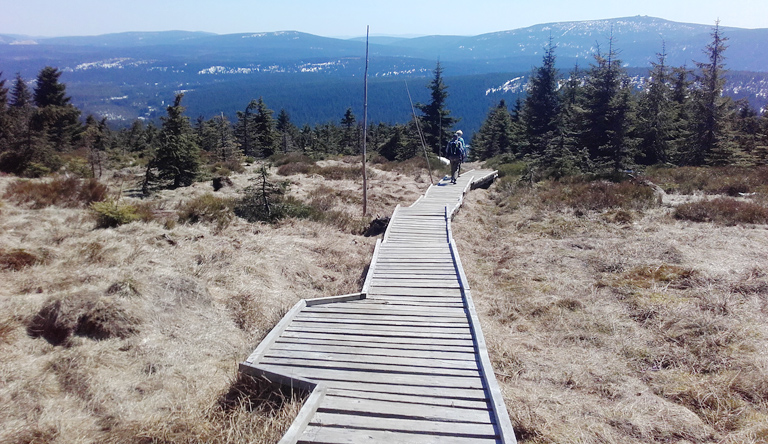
pixel 314 434
pixel 394 346
pixel 468 430
pixel 393 332
pixel 378 339
pixel 386 321
pixel 385 352
pixel 397 291
pixel 375 407
pixel 340 357
pixel 406 379
pixel 412 399
pixel 413 390
pixel 391 369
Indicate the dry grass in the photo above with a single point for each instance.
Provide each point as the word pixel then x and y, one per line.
pixel 615 331
pixel 608 322
pixel 132 334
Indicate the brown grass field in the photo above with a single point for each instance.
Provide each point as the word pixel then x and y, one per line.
pixel 607 321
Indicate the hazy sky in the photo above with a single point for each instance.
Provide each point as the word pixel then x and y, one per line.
pixel 342 18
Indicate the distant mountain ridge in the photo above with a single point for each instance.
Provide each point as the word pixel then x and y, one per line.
pixel 128 75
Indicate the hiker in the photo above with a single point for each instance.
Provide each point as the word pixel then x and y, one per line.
pixel 455 153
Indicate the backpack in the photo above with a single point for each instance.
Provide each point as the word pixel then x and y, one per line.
pixel 454 149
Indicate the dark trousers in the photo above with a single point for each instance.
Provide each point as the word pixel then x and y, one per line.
pixel 455 168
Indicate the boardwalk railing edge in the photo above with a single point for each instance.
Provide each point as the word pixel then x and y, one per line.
pixel 501 416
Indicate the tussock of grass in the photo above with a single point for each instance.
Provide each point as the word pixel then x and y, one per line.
pixel 599 196
pixel 91 316
pixel 17 259
pixel 60 191
pixel 209 209
pixel 722 210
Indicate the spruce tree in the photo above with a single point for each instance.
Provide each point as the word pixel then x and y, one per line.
pixel 680 96
pixel 496 135
pixel 436 120
pixel 55 118
pixel 287 131
pixel 349 137
pixel 542 105
pixel 607 114
pixel 747 132
pixel 177 157
pixel 264 128
pixel 21 97
pixel 5 122
pixel 245 130
pixel 656 116
pixel 710 142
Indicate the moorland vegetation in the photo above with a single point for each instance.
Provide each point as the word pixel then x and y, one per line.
pixel 618 269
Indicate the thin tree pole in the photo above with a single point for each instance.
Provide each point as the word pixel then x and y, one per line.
pixel 365 125
pixel 421 135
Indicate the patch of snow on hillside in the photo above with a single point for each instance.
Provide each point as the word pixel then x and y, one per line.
pixel 317 67
pixel 518 84
pixel 215 70
pixel 120 63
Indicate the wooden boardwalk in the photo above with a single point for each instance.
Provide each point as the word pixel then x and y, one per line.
pixel 404 361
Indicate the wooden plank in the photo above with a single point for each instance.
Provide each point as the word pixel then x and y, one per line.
pixel 378 305
pixel 389 290
pixel 412 390
pixel 395 319
pixel 396 347
pixel 394 332
pixel 375 407
pixel 424 301
pixel 411 399
pixel 334 299
pixel 380 308
pixel 337 365
pixel 378 339
pixel 416 267
pixel 378 327
pixel 415 283
pixel 314 434
pixel 469 430
pixel 389 352
pixel 389 321
pixel 340 357
pixel 431 301
pixel 322 374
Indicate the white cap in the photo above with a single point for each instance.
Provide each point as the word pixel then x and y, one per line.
pixel 459 133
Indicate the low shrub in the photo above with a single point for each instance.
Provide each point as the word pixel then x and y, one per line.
pixel 16 260
pixel 281 159
pixel 110 214
pixel 289 169
pixel 209 209
pixel 226 168
pixel 722 210
pixel 416 165
pixel 67 192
